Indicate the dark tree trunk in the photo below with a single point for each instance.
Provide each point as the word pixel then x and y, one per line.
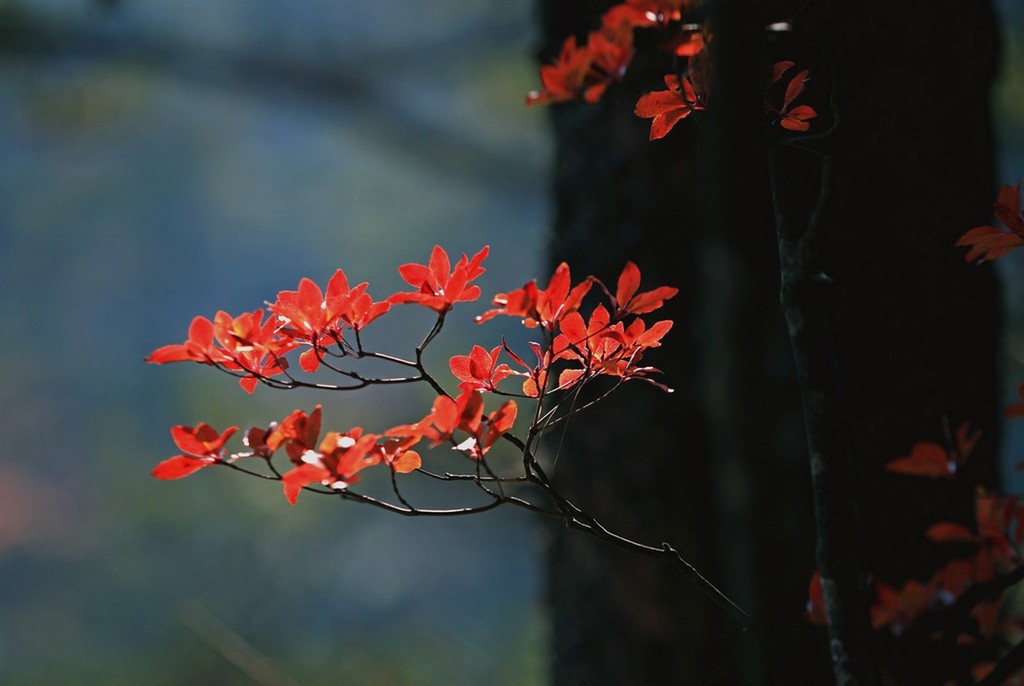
pixel 913 329
pixel 719 468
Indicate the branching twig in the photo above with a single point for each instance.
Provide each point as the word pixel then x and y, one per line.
pixel 805 297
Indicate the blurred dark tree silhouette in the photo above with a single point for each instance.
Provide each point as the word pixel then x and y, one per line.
pixel 720 468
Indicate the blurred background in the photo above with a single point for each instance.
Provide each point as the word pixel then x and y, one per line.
pixel 160 160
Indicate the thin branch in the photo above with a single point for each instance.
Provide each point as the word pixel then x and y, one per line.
pixel 398 493
pixel 346 494
pixel 805 294
pixel 576 519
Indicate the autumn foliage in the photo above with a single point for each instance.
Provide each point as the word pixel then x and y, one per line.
pixel 587 338
pixel 584 72
pixel 323 327
pixel 987 556
pixel 969 604
pixel 989 242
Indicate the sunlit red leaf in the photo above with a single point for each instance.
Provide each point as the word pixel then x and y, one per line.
pixel 585 72
pixel 345 454
pixel 798 118
pixel 628 301
pixel 539 307
pixel 688 44
pixel 201 440
pixel 669 107
pixel 319 318
pixel 237 344
pixel 794 89
pixel 564 79
pixel 787 116
pixel 438 289
pixel 397 454
pixel 298 432
pixel 301 476
pixel 198 348
pixel 180 466
pixel 499 423
pixel 479 370
pixel 202 446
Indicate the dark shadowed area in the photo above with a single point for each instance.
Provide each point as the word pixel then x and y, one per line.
pixel 162 160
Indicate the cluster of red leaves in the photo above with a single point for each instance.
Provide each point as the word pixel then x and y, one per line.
pixel 583 73
pixel 602 345
pixel 786 115
pixel 316 319
pixel 994 544
pixel 244 344
pixel 201 446
pixel 311 316
pixel 336 460
pixel 465 414
pixel 438 288
pixel 686 93
pixel 541 307
pixel 990 242
pixel 668 107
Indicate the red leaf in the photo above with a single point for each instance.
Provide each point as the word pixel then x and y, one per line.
pixel 541 307
pixel 407 461
pixel 780 68
pixel 298 432
pixel 300 477
pixel 569 377
pixel 309 360
pixel 925 459
pixel 794 89
pixel 201 440
pixel 669 107
pixel 629 283
pixel 180 466
pixel 435 287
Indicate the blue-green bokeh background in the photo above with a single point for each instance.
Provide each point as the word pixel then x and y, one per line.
pixel 164 159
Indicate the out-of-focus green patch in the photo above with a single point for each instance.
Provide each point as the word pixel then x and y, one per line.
pixel 1010 90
